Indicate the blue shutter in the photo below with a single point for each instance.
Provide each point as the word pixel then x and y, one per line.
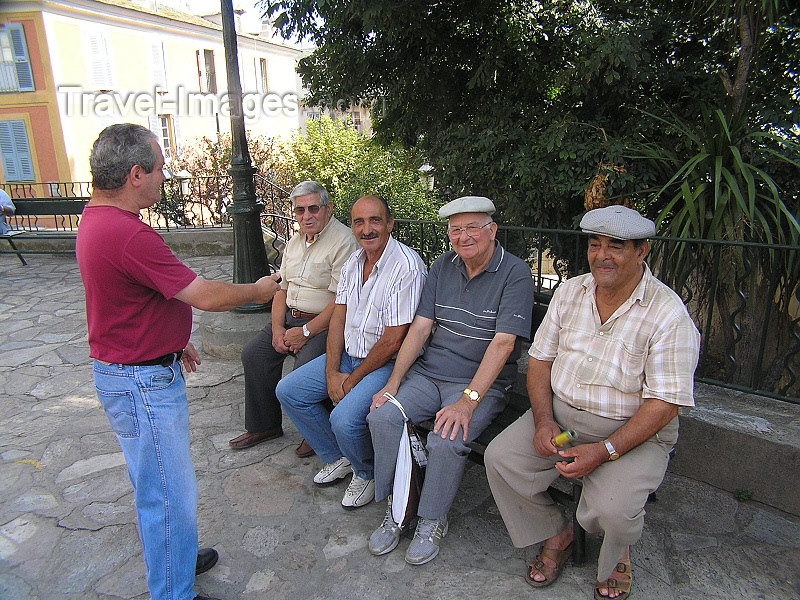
pixel 15 151
pixel 21 61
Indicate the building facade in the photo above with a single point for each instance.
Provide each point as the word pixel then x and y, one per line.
pixel 70 68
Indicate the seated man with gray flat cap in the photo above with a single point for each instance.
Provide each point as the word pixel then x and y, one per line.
pixel 476 304
pixel 612 361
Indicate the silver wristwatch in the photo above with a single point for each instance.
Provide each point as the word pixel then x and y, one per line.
pixel 612 452
pixel 306 332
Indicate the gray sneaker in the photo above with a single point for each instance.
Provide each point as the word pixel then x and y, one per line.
pixel 386 537
pixel 425 545
pixel 333 472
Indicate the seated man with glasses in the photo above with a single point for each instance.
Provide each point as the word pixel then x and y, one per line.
pixel 476 304
pixel 301 310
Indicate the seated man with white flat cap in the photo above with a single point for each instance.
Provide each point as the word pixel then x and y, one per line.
pixel 612 361
pixel 476 304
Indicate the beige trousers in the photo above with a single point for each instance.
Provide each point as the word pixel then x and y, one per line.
pixel 613 497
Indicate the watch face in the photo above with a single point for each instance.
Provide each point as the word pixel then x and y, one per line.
pixel 473 395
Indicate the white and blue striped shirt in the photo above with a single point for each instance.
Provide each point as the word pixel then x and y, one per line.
pixel 388 298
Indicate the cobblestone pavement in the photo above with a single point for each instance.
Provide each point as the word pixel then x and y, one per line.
pixel 67 520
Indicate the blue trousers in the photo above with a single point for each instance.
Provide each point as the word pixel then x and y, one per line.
pixel 344 432
pixel 148 411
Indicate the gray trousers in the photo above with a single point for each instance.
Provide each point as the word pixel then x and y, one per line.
pixel 422 397
pixel 263 367
pixel 613 497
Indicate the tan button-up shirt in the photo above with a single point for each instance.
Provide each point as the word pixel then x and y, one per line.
pixel 648 348
pixel 310 274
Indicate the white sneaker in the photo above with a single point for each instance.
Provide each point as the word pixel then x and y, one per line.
pixel 333 472
pixel 358 493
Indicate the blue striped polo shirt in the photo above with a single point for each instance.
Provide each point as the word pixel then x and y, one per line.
pixel 468 312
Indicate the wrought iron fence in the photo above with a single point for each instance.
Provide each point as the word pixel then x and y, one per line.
pixel 744 298
pixel 192 202
pixel 746 309
pixel 56 190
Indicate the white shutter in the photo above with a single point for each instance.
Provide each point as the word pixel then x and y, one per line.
pixel 22 63
pixel 201 71
pixel 158 65
pixel 176 125
pixel 99 62
pixel 154 125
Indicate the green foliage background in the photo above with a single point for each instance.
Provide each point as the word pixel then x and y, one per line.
pixel 331 152
pixel 351 166
pixel 523 100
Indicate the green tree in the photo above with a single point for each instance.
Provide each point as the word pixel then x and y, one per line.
pixel 524 100
pixel 351 166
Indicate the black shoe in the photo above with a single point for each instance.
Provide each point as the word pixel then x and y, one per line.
pixel 206 558
pixel 204 598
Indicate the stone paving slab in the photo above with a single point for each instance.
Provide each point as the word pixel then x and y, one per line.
pixel 68 524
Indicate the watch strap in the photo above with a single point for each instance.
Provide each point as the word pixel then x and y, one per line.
pixel 473 395
pixel 612 452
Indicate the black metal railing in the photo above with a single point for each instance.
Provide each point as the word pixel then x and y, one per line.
pixel 186 203
pixel 56 190
pixel 746 308
pixel 743 297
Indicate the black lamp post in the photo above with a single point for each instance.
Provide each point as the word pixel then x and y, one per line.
pixel 249 254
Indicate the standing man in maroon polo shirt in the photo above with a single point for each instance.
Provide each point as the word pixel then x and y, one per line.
pixel 139 300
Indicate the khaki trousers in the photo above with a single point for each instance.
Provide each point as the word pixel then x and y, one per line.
pixel 613 497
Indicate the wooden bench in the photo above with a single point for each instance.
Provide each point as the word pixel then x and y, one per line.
pixel 32 215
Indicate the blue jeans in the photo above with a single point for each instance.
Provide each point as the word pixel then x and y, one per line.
pixel 344 432
pixel 147 409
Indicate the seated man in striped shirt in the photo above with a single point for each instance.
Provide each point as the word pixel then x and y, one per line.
pixel 375 302
pixel 476 304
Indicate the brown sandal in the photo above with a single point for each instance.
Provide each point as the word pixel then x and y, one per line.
pixel 620 580
pixel 559 557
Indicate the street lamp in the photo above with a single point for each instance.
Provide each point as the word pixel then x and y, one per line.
pixel 249 254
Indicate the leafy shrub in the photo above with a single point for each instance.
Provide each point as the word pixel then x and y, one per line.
pixel 351 166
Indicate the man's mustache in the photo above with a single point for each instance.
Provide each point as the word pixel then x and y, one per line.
pixel 368 236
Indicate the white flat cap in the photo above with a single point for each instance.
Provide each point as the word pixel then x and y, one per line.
pixel 467 204
pixel 618 222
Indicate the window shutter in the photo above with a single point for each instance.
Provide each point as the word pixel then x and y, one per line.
pixel 17 162
pixel 22 62
pixel 176 124
pixel 99 62
pixel 159 66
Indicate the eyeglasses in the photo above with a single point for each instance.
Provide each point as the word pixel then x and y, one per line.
pixel 313 209
pixel 471 230
pixel 167 173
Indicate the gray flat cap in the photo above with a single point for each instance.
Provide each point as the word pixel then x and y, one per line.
pixel 618 222
pixel 467 204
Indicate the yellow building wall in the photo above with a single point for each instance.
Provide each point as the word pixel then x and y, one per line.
pixel 39 108
pixel 84 113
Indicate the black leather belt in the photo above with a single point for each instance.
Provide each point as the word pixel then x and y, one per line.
pixel 299 314
pixel 164 361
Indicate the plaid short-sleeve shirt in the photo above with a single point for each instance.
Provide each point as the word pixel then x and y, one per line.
pixel 648 348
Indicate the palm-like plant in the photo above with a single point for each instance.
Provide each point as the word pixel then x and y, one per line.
pixel 711 191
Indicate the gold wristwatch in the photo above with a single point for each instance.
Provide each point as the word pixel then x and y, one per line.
pixel 473 395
